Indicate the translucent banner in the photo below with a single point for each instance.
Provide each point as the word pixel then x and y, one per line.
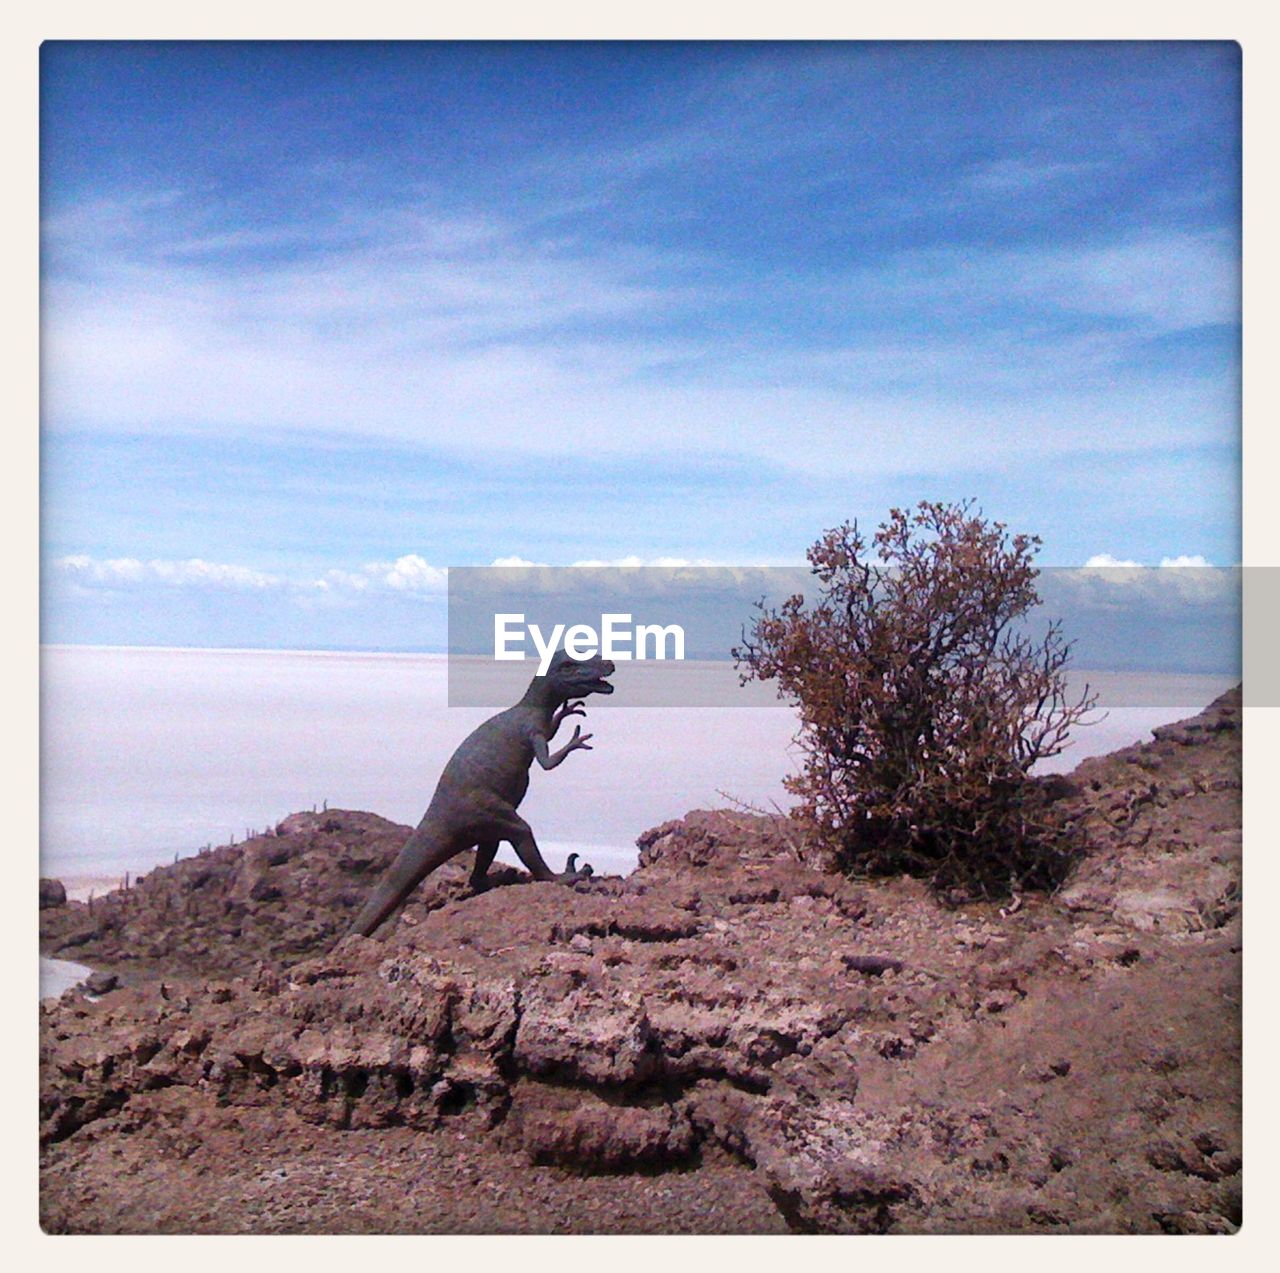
pixel 1153 636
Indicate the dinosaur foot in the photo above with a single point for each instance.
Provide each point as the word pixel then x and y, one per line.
pixel 572 872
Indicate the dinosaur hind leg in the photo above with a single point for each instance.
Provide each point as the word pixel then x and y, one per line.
pixel 485 854
pixel 527 851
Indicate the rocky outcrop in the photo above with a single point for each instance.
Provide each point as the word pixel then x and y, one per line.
pixel 851 1056
pixel 52 893
pixel 1163 819
pixel 276 898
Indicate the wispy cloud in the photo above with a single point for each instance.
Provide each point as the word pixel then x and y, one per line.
pixel 735 295
pixel 410 573
pixel 475 337
pixel 406 575
pixel 1157 280
pixel 128 572
pixel 1020 175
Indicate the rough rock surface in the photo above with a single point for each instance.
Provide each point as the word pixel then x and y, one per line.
pixel 101 983
pixel 728 1040
pixel 52 893
pixel 275 898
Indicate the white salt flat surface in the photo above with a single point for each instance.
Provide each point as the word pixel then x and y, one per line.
pixel 58 975
pixel 150 753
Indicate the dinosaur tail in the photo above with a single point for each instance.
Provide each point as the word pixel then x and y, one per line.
pixel 423 851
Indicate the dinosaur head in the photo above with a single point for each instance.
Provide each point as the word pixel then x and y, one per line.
pixel 576 678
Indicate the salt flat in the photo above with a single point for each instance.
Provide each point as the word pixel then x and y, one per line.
pixel 58 975
pixel 148 753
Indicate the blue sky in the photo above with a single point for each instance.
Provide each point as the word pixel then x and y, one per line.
pixel 322 320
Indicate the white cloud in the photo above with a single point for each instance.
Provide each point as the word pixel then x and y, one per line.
pixel 1159 281
pixel 655 562
pixel 342 580
pixel 1107 562
pixel 1107 581
pixel 1171 280
pixel 193 572
pixel 476 337
pixel 409 573
pixel 1020 175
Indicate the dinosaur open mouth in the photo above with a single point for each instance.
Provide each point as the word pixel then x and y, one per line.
pixel 588 684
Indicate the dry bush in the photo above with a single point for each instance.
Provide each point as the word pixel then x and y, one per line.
pixel 924 702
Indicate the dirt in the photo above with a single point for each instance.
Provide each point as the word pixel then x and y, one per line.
pixel 729 1040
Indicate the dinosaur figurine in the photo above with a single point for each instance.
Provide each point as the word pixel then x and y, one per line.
pixel 474 805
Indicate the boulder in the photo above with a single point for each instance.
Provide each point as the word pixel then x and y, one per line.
pixel 52 893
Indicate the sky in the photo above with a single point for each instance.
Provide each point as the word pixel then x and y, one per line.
pixel 320 321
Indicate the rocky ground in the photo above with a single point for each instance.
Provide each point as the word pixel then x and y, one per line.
pixel 727 1041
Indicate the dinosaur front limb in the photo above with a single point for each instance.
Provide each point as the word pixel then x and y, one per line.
pixel 548 759
pixel 576 708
